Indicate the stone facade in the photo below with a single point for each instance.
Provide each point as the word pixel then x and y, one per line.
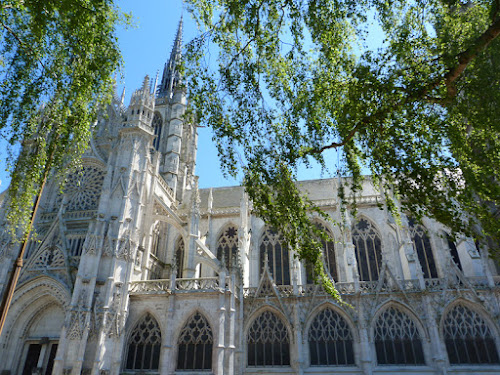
pixel 135 270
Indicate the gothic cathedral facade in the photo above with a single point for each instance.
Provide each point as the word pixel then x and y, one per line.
pixel 136 270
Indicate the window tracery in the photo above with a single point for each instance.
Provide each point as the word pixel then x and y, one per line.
pixel 195 345
pixel 397 339
pixel 328 256
pixel 368 248
pixel 330 340
pixel 468 338
pixel 272 244
pixel 157 127
pixel 423 248
pixel 143 347
pixel 227 246
pixel 268 342
pixel 179 256
pixel 83 189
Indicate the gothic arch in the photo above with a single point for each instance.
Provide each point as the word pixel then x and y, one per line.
pixel 329 305
pixel 196 339
pixel 423 247
pixel 329 252
pixel 368 248
pixel 271 242
pixel 280 343
pixel 331 336
pixel 411 345
pixel 143 343
pixel 31 299
pixel 480 350
pixel 231 243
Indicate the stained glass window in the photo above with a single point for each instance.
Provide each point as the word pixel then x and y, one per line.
pixel 272 244
pixel 195 344
pixel 468 338
pixel 422 246
pixel 227 246
pixel 143 348
pixel 330 340
pixel 268 342
pixel 368 248
pixel 397 339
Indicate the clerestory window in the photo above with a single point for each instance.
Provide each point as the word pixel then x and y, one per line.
pixel 368 247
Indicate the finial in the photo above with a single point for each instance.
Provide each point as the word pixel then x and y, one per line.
pixel 122 100
pixel 156 82
pixel 145 84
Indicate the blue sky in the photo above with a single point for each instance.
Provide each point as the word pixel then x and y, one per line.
pixel 146 47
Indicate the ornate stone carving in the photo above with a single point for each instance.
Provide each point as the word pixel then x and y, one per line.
pixel 78 314
pixel 83 189
pixel 50 257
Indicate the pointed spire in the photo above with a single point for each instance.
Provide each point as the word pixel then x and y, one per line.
pixel 171 75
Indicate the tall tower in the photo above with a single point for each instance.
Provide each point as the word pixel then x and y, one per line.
pixel 176 135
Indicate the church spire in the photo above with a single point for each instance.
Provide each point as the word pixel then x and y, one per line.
pixel 171 75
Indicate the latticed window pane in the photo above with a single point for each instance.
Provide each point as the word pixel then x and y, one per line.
pixel 397 339
pixel 143 348
pixel 268 343
pixel 368 246
pixel 157 126
pixel 227 246
pixel 328 256
pixel 422 246
pixel 273 245
pixel 454 252
pixel 195 345
pixel 468 338
pixel 179 256
pixel 330 340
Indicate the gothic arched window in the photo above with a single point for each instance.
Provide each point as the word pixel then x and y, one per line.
pixel 397 339
pixel 468 338
pixel 330 340
pixel 157 125
pixel 268 342
pixel 328 255
pixel 272 245
pixel 368 246
pixel 454 252
pixel 227 246
pixel 422 246
pixel 143 347
pixel 179 256
pixel 195 345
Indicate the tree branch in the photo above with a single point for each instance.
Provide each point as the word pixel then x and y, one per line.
pixel 464 59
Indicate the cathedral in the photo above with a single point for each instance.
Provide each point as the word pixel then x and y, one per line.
pixel 136 270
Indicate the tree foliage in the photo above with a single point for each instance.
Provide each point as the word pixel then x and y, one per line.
pixel 290 79
pixel 57 61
